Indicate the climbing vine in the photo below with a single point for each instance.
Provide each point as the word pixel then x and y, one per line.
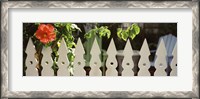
pixel 129 32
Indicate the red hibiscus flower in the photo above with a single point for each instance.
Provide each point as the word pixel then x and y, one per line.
pixel 45 33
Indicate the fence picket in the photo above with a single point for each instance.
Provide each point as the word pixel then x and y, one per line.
pixel 111 62
pixel 47 62
pixel 31 61
pixel 174 62
pixel 161 60
pixel 63 61
pixel 144 63
pixel 79 61
pixel 127 62
pixel 95 61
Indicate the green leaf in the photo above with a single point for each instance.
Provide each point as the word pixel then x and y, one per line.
pixel 70 56
pixel 103 31
pixel 67 27
pixel 124 35
pixel 69 45
pixel 108 33
pixel 71 38
pixel 101 34
pixel 136 29
pixel 57 24
pixel 96 27
pixel 37 23
pixel 132 36
pixel 74 44
pixel 119 32
pixel 88 35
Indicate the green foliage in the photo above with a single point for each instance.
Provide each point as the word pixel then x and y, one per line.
pixel 70 55
pixel 66 30
pixel 37 24
pixel 130 32
pixel 102 31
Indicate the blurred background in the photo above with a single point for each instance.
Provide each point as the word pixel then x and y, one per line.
pixel 151 31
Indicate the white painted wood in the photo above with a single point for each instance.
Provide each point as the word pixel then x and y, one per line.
pixel 174 62
pixel 127 62
pixel 79 61
pixel 63 61
pixel 161 61
pixel 144 63
pixel 111 62
pixel 31 61
pixel 95 61
pixel 47 62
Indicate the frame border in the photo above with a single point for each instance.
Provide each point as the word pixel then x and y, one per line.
pixel 6 5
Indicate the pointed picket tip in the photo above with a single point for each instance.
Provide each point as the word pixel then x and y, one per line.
pixel 95 48
pixel 63 61
pixel 79 61
pixel 161 50
pixel 79 47
pixel 30 47
pixel 63 47
pixel 145 48
pixel 30 60
pixel 112 48
pixel 127 62
pixel 144 62
pixel 111 62
pixel 161 60
pixel 95 61
pixel 128 48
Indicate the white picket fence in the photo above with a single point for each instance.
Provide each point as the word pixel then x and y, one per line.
pixel 161 62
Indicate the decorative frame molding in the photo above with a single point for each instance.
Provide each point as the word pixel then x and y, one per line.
pixel 6 5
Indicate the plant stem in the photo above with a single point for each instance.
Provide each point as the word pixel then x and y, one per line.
pixel 54 44
pixel 38 56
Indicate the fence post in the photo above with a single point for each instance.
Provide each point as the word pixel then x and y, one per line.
pixel 161 60
pixel 111 62
pixel 127 62
pixel 31 61
pixel 144 63
pixel 63 61
pixel 79 61
pixel 95 61
pixel 47 62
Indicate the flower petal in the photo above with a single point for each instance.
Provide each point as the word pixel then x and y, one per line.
pixel 52 37
pixel 41 27
pixel 45 33
pixel 50 27
pixel 44 40
pixel 39 34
